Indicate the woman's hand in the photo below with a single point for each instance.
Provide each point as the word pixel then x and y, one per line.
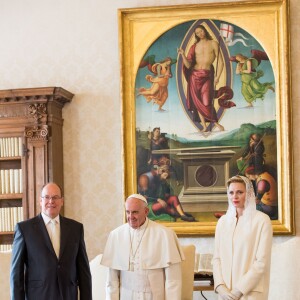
pixel 237 293
pixel 225 293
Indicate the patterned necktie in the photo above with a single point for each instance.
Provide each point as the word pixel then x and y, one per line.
pixel 55 237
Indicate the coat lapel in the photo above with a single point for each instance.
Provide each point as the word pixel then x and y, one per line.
pixel 64 233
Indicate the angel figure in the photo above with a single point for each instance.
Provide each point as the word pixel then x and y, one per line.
pixel 252 88
pixel 158 92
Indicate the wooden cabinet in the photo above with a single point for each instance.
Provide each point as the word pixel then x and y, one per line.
pixel 31 151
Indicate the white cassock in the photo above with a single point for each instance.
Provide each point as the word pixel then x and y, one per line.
pixel 144 263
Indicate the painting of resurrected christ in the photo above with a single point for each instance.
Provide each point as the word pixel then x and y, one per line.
pixel 209 87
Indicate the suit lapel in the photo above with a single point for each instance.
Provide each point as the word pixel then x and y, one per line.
pixel 64 233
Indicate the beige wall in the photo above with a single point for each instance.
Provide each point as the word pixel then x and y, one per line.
pixel 74 44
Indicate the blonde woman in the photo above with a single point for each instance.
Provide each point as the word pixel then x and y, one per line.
pixel 243 241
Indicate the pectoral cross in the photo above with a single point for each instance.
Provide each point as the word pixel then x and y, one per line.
pixel 131 264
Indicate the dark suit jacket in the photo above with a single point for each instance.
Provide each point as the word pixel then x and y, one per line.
pixel 36 272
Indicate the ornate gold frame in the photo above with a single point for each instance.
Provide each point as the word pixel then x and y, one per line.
pixel 269 21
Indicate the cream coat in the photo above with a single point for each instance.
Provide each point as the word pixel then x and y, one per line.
pixel 161 258
pixel 243 254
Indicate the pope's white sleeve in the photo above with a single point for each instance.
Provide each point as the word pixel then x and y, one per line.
pixel 113 285
pixel 173 282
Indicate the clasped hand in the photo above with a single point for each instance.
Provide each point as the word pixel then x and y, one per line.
pixel 226 294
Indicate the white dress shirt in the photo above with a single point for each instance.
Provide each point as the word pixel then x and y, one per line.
pixel 47 221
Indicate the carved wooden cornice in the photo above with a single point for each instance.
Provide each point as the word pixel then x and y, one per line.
pixel 32 103
pixel 57 94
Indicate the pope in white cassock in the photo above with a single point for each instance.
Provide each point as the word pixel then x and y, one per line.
pixel 143 257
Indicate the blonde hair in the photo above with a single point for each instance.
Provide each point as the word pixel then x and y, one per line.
pixel 234 179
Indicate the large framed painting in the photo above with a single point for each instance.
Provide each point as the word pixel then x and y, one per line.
pixel 206 95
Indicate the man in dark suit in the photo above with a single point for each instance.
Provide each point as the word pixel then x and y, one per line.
pixel 37 272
